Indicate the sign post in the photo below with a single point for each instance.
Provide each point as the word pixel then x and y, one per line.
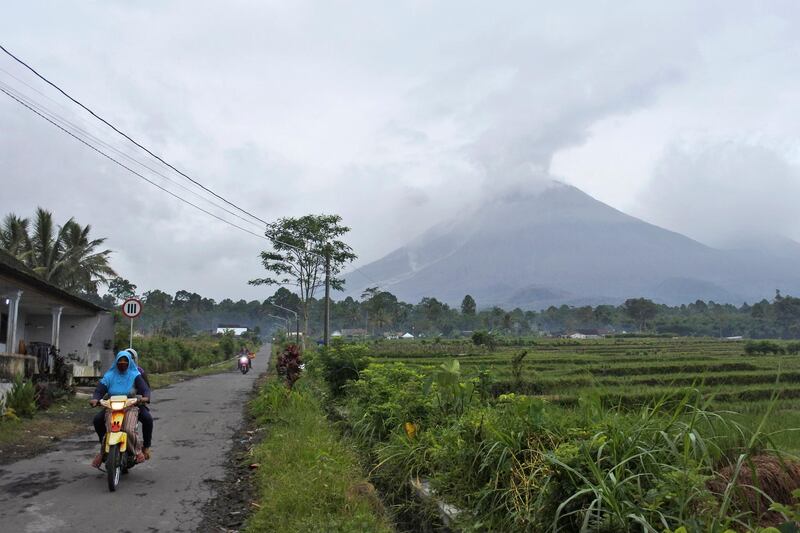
pixel 131 308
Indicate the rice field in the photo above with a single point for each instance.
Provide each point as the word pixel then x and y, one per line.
pixel 631 372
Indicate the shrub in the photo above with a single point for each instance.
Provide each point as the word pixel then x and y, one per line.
pixel 384 398
pixel 288 364
pixel 793 348
pixel 484 338
pixel 22 398
pixel 341 363
pixel 762 347
pixel 452 395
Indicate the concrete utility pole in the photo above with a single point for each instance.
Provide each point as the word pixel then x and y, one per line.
pixel 285 321
pixel 327 331
pixel 296 319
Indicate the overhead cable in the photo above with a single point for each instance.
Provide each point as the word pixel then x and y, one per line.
pixel 129 169
pixel 113 127
pixel 66 122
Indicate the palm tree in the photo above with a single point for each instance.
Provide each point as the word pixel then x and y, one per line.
pixel 14 236
pixel 85 267
pixel 64 256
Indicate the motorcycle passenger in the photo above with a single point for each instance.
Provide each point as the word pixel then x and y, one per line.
pixel 119 379
pixel 146 420
pixel 135 356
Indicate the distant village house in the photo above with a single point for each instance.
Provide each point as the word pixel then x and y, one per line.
pixel 227 328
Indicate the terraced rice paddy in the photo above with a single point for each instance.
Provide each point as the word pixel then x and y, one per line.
pixel 633 371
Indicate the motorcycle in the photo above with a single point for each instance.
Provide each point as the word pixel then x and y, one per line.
pixel 122 440
pixel 244 364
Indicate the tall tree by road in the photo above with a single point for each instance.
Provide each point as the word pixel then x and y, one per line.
pixel 63 255
pixel 300 246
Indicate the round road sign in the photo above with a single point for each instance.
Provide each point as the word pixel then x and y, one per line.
pixel 132 307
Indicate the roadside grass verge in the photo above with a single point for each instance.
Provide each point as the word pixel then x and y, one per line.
pixel 309 477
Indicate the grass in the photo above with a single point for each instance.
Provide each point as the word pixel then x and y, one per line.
pixel 309 476
pixel 599 455
pixel 629 371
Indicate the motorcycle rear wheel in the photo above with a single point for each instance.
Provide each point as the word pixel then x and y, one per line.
pixel 113 467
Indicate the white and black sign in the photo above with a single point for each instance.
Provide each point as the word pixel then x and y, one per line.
pixel 132 307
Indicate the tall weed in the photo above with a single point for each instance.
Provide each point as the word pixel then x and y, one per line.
pixel 22 398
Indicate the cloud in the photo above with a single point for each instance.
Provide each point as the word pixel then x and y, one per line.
pixel 725 193
pixel 396 116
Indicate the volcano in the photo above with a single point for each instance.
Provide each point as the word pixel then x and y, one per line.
pixel 558 245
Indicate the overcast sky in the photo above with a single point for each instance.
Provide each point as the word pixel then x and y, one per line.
pixel 399 115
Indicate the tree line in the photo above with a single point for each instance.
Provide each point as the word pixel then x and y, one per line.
pixel 378 313
pixel 69 257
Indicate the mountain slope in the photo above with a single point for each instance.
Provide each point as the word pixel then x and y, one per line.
pixel 560 245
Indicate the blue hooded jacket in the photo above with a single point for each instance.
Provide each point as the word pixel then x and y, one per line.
pixel 115 382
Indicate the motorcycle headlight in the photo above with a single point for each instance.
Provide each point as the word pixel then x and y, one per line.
pixel 118 406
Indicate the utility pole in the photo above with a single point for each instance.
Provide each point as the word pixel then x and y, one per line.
pixel 327 331
pixel 285 322
pixel 296 319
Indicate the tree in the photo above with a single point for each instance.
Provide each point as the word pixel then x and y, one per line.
pixel 14 237
pixel 64 255
pixel 381 305
pixel 468 306
pixel 285 298
pixel 300 247
pixel 641 310
pixel 157 299
pixel 121 288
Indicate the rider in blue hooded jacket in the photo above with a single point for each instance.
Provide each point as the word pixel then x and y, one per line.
pixel 119 380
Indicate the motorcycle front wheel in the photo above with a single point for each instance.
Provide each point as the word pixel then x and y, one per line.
pixel 113 467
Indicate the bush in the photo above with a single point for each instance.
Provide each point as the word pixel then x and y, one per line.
pixel 341 363
pixel 288 364
pixel 484 338
pixel 793 348
pixel 762 347
pixel 22 398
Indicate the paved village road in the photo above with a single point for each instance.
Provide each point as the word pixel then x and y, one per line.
pixel 194 423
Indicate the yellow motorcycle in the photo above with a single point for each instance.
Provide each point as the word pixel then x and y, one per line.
pixel 122 442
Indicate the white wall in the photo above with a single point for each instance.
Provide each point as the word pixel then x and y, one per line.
pixel 86 337
pixel 37 328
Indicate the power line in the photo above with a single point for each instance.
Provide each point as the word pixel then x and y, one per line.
pixel 110 125
pixel 71 134
pixel 58 118
pixel 120 132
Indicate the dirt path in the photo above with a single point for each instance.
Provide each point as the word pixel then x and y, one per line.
pixel 194 422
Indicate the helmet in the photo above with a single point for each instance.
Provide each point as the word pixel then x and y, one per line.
pixel 134 355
